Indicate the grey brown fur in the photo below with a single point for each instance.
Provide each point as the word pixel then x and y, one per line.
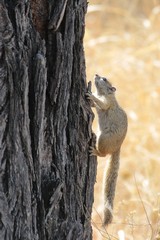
pixel 113 123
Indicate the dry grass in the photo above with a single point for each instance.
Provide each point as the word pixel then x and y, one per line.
pixel 122 42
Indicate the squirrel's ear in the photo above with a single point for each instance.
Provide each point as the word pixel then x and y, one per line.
pixel 113 89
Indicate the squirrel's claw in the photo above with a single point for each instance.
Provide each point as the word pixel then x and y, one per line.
pixel 89 95
pixel 92 151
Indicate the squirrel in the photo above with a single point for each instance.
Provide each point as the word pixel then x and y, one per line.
pixel 112 121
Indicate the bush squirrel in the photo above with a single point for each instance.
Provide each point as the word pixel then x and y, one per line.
pixel 112 121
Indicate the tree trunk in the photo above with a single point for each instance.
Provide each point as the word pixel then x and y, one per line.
pixel 46 174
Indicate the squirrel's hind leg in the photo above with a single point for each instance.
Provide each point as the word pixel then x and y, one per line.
pixel 94 152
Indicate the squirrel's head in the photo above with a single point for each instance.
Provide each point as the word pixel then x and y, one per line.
pixel 104 87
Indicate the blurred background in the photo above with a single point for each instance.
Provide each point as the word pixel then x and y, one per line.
pixel 122 42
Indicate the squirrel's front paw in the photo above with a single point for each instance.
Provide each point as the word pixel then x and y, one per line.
pixel 93 151
pixel 89 95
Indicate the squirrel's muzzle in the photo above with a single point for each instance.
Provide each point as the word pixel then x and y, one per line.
pixel 96 76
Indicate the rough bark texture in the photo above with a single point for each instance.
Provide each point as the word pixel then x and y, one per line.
pixel 46 174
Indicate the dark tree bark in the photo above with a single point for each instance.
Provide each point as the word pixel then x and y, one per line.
pixel 46 174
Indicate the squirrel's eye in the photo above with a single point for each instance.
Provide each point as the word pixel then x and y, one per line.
pixel 104 79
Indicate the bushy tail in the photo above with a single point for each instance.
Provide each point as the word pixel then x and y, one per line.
pixel 110 180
